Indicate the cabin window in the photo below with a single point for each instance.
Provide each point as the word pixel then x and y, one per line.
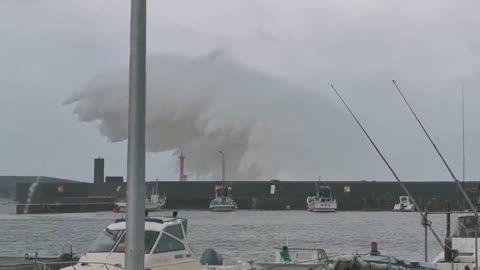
pixel 168 244
pixel 175 230
pixel 150 238
pixel 106 241
pixel 466 227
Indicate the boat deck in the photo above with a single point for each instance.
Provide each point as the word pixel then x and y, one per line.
pixel 21 263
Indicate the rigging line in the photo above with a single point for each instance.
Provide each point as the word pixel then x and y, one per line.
pixel 388 165
pixel 474 209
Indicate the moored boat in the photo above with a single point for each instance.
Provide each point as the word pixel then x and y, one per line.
pixel 297 258
pixel 222 201
pixel 153 202
pixel 323 200
pixel 166 247
pixel 459 250
pixel 404 205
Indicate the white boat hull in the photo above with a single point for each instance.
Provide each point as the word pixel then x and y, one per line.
pixel 399 208
pixel 185 265
pixel 223 208
pixel 318 206
pixel 322 209
pixel 292 266
pixel 150 207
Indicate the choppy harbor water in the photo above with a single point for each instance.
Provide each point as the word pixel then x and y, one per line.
pixel 240 235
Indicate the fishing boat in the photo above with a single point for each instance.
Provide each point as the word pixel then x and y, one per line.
pixel 298 259
pixel 222 201
pixel 322 201
pixel 404 205
pixel 166 247
pixel 153 202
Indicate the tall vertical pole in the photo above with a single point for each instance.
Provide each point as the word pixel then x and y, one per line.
pixel 182 167
pixel 463 176
pixel 223 171
pixel 463 135
pixel 134 257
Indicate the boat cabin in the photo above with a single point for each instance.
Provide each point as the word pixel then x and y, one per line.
pixel 404 205
pixel 165 243
pixel 462 243
pixel 466 227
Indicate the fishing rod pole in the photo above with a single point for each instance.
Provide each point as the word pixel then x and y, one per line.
pixel 389 166
pixel 474 209
pixel 455 179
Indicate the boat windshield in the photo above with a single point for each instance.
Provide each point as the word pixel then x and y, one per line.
pixel 466 227
pixel 110 239
pixel 106 241
pixel 150 239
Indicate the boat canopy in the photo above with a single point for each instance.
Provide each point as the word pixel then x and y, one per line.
pixel 466 227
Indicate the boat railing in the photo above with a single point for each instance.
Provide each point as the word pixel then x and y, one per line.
pixel 43 265
pixel 299 254
pixel 39 265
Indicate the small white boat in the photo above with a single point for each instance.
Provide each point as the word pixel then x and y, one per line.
pixel 322 201
pixel 222 201
pixel 404 205
pixel 300 259
pixel 166 247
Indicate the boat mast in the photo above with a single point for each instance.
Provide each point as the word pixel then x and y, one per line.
pixel 135 218
pixel 317 186
pixel 455 179
pixel 388 165
pixel 223 173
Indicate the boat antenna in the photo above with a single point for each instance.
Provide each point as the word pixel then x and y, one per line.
pixel 223 173
pixel 455 179
pixel 388 165
pixel 135 218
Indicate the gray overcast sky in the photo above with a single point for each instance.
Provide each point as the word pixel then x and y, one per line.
pixel 52 49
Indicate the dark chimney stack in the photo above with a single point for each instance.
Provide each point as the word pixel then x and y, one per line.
pixel 99 171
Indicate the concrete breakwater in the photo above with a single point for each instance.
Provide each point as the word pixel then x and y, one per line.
pixel 264 195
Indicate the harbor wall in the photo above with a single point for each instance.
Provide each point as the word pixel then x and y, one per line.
pixel 350 195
